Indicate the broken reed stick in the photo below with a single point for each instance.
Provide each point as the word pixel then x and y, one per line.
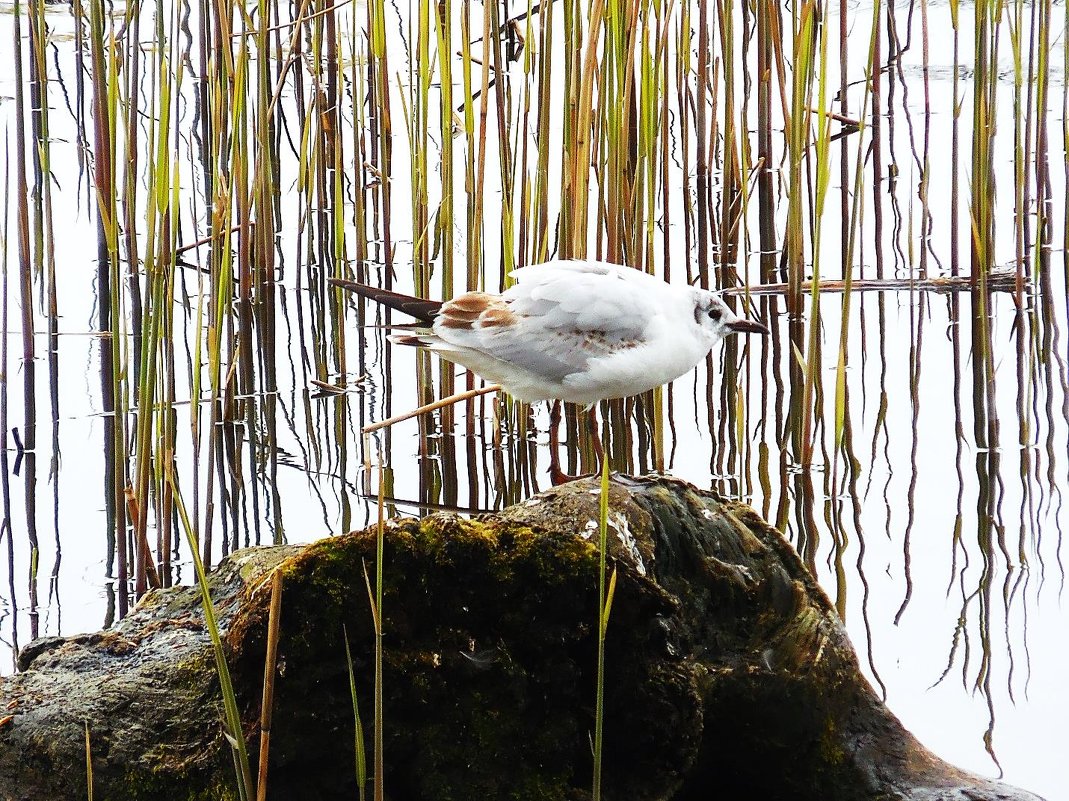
pixel 1002 281
pixel 205 240
pixel 430 407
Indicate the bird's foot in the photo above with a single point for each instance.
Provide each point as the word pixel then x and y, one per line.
pixel 558 476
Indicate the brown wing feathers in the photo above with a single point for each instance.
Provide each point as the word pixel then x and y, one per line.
pixel 423 310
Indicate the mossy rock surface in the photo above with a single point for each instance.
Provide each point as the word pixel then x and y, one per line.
pixel 728 672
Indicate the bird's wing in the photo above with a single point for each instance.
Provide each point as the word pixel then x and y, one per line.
pixel 554 321
pixel 608 299
pixel 574 267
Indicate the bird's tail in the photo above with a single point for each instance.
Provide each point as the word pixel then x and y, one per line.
pixel 423 310
pixel 415 340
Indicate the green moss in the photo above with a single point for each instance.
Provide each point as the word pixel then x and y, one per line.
pixel 487 652
pixel 461 601
pixel 151 786
pixel 831 743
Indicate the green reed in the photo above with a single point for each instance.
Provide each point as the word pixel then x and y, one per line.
pixel 25 279
pixel 359 753
pixel 985 96
pixel 234 730
pixel 799 132
pixel 816 49
pixel 606 590
pixel 376 597
pixel 601 134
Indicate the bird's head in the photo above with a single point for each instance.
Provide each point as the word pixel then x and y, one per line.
pixel 717 321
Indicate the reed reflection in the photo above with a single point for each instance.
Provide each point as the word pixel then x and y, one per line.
pixel 237 164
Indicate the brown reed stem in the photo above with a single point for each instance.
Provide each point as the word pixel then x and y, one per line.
pixel 267 703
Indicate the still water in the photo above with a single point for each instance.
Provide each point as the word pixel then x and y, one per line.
pixel 923 486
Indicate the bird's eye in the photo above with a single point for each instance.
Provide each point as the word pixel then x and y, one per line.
pixel 714 313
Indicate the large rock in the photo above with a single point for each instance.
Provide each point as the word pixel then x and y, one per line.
pixel 728 672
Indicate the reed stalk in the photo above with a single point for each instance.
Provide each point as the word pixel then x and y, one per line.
pixel 5 482
pixel 88 765
pixel 578 175
pixel 807 54
pixel 274 615
pixel 985 94
pixel 234 731
pixel 22 224
pixel 375 596
pixel 606 590
pixel 359 754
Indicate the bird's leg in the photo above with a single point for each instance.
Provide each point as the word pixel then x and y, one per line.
pixel 595 435
pixel 556 475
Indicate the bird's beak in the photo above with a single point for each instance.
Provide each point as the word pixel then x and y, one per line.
pixel 744 326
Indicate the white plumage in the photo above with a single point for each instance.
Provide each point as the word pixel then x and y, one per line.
pixel 577 331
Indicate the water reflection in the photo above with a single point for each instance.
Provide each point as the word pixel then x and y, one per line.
pixel 908 434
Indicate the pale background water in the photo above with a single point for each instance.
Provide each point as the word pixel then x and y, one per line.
pixel 994 623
